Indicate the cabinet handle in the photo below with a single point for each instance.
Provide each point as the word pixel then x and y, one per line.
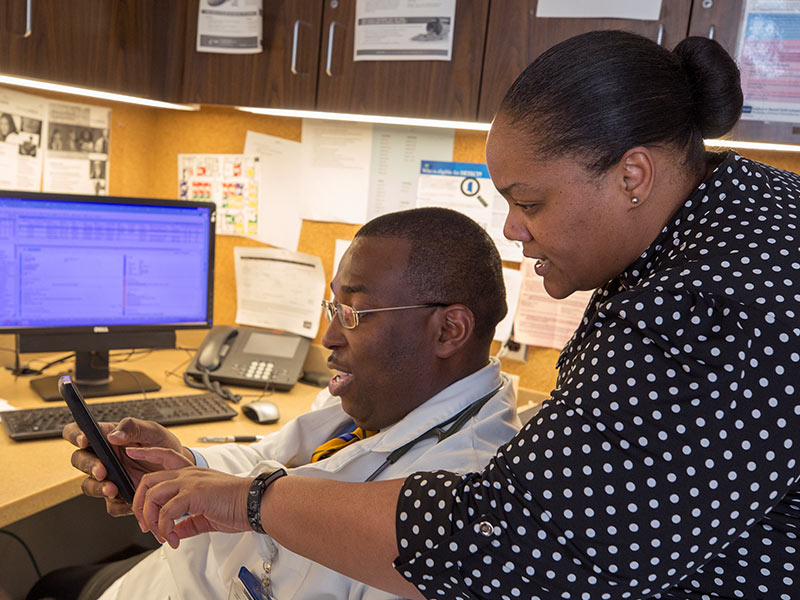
pixel 329 61
pixel 660 36
pixel 711 31
pixel 295 37
pixel 28 21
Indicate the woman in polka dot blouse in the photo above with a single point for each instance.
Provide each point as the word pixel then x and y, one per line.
pixel 665 464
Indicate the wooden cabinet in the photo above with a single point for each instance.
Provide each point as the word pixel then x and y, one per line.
pixel 723 20
pixel 284 75
pixel 431 89
pixel 123 46
pixel 516 36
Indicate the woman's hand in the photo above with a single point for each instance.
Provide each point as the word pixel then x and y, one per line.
pixel 208 499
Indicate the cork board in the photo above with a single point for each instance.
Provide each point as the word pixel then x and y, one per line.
pixel 144 150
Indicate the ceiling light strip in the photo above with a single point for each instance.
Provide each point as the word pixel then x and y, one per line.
pixel 380 119
pixel 89 93
pixel 753 145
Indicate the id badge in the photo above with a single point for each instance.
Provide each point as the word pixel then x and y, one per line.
pixel 247 587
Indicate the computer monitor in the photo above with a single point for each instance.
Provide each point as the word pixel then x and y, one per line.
pixel 90 274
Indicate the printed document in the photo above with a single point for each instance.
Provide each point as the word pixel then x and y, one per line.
pixel 22 118
pixel 279 289
pixel 404 30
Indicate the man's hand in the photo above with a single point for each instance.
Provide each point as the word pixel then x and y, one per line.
pixel 213 501
pixel 128 433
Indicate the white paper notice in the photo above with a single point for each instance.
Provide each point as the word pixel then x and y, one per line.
pixel 279 289
pixel 513 280
pixel 768 54
pixel 22 119
pixel 645 10
pixel 404 30
pixel 541 320
pixel 230 181
pixel 335 170
pixel 230 27
pixel 339 248
pixel 76 159
pixel 280 195
pixel 467 188
pixel 394 167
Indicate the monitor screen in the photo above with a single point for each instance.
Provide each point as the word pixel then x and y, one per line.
pixel 103 267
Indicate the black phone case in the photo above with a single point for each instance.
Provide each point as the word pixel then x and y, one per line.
pixel 98 442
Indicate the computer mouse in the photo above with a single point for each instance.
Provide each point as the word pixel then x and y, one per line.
pixel 261 411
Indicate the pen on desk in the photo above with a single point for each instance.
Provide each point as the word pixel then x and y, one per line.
pixel 231 438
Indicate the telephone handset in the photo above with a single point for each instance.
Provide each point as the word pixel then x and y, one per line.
pixel 215 347
pixel 249 357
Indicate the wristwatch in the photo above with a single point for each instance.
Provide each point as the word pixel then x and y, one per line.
pixel 257 489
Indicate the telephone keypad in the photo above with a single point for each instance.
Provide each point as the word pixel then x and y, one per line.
pixel 259 369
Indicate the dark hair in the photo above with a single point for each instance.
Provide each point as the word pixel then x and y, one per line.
pixel 601 93
pixel 452 260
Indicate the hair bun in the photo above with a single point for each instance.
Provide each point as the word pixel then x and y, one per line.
pixel 715 86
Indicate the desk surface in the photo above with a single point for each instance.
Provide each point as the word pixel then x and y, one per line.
pixel 37 474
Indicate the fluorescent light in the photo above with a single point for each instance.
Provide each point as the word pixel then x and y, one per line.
pixel 89 93
pixel 753 145
pixel 385 120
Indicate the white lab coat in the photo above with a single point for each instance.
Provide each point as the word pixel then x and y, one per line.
pixel 204 566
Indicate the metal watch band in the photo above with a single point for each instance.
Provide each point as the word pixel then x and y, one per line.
pixel 257 489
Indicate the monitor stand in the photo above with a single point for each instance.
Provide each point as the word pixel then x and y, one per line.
pixel 94 380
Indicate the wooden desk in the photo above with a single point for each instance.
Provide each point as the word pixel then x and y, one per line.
pixel 36 475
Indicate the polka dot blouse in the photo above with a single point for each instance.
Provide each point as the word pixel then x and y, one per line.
pixel 665 464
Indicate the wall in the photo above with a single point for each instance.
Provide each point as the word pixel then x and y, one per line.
pixel 145 144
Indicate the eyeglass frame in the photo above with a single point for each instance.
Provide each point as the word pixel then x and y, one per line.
pixel 331 310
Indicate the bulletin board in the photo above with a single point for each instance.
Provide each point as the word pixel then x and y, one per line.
pixel 145 144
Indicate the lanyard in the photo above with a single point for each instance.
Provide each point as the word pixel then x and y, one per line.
pixel 441 431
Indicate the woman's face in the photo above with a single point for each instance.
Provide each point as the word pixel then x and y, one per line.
pixel 5 126
pixel 570 220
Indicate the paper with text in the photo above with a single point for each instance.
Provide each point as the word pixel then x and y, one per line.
pixel 279 289
pixel 513 280
pixel 335 170
pixel 394 167
pixel 645 10
pixel 768 56
pixel 22 129
pixel 541 320
pixel 404 30
pixel 230 28
pixel 280 193
pixel 77 154
pixel 467 188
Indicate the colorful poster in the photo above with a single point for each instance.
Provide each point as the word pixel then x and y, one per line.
pixel 768 54
pixel 231 181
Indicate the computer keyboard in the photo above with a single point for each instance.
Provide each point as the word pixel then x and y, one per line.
pixel 49 421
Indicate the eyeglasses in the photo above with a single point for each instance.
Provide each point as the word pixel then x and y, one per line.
pixel 349 316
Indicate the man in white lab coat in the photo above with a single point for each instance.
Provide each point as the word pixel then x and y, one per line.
pixel 416 299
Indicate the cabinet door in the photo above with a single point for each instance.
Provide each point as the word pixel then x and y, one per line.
pixel 431 89
pixel 516 36
pixel 284 75
pixel 119 46
pixel 723 21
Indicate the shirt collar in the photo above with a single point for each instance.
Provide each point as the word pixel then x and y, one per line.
pixel 674 232
pixel 437 409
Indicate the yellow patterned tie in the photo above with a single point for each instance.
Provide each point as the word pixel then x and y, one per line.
pixel 340 441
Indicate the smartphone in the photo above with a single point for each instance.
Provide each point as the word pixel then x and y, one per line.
pixel 97 440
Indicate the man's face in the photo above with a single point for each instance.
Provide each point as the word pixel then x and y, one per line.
pixel 385 364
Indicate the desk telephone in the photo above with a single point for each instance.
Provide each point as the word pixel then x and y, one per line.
pixel 250 357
